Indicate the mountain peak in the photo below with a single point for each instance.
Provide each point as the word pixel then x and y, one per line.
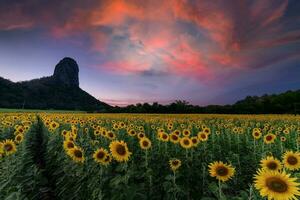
pixel 66 72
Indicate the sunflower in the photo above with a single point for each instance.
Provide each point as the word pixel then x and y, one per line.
pixel 283 139
pixel 119 151
pixel 68 144
pixel 145 143
pixel 206 130
pixel 222 172
pixel 111 135
pixel 163 136
pixel 276 185
pixel 9 147
pixel 54 125
pixel 271 163
pixel 195 141
pixel 186 142
pixel 286 131
pixel 202 136
pixel 76 154
pixel 269 138
pixel 174 164
pixel 174 138
pixel 100 156
pixel 177 132
pixel 186 132
pixel 131 132
pixel 97 132
pixel 19 138
pixel 141 135
pixel 256 134
pixel 291 160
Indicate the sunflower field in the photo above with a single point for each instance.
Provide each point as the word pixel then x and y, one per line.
pixel 131 156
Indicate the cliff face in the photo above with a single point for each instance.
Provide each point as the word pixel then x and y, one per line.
pixel 66 72
pixel 59 91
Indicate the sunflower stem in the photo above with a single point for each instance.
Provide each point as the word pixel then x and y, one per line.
pixel 220 190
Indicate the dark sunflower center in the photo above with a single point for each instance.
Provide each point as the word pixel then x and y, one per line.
pixel 186 142
pixel 256 134
pixel 78 154
pixel 110 135
pixel 269 137
pixel 272 165
pixel 175 163
pixel 145 143
pixel 276 185
pixel 174 137
pixel 8 147
pixel 121 150
pixel 100 155
pixel 203 136
pixel 18 138
pixel 70 145
pixel 106 159
pixel 292 160
pixel 222 171
pixel 165 136
pixel 194 141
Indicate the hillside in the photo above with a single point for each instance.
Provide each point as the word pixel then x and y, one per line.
pixel 59 91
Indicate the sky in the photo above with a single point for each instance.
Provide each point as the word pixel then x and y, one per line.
pixel 130 51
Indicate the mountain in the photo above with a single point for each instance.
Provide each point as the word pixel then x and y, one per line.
pixel 59 91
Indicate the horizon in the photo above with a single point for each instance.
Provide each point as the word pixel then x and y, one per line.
pixel 133 52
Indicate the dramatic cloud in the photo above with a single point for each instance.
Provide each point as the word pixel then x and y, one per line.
pixel 209 41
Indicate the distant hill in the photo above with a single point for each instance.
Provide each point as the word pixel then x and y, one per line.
pixel 59 91
pixel 287 102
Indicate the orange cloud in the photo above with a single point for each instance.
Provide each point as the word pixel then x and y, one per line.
pixel 184 37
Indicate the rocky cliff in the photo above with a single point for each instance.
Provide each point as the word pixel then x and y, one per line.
pixel 59 91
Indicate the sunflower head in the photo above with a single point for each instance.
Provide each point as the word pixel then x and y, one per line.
pixel 100 156
pixel 164 137
pixel 256 134
pixel 186 142
pixel 119 151
pixel 145 143
pixel 269 138
pixel 141 135
pixel 202 136
pixel 174 164
pixel 186 132
pixel 174 138
pixel 221 171
pixel 110 135
pixel 291 160
pixel 195 141
pixel 271 163
pixel 76 154
pixel 19 138
pixel 131 132
pixel 68 144
pixel 9 147
pixel 276 185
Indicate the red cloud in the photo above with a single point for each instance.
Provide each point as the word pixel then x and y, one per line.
pixel 231 32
